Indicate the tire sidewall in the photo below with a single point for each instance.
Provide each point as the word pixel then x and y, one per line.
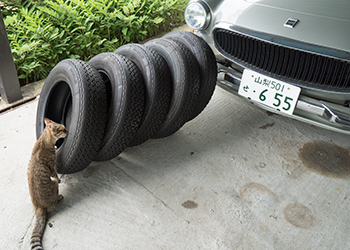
pixel 81 137
pixel 126 102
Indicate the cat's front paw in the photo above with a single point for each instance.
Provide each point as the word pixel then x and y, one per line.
pixel 60 197
pixel 55 179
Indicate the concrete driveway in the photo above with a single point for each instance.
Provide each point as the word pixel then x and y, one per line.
pixel 235 177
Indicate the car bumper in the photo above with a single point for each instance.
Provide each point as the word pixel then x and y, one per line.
pixel 310 110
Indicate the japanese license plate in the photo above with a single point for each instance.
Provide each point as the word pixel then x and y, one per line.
pixel 271 92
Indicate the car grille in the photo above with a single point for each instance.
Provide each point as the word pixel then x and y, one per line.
pixel 297 66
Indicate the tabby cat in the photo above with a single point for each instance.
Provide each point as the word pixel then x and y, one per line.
pixel 42 178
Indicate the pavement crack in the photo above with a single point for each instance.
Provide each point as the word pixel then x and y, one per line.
pixel 149 191
pixel 21 240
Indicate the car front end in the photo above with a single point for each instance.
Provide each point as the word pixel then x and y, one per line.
pixel 290 58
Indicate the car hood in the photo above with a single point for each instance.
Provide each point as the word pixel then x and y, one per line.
pixel 335 9
pixel 321 22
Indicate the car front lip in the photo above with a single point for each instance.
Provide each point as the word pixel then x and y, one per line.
pixel 320 113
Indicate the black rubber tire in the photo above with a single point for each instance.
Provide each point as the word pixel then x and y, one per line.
pixel 206 61
pixel 157 78
pixel 74 95
pixel 185 84
pixel 125 87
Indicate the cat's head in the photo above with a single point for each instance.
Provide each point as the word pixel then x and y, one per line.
pixel 55 129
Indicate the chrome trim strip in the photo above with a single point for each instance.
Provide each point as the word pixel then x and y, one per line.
pixel 311 108
pixel 335 116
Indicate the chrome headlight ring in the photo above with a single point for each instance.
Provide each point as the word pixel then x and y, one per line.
pixel 197 15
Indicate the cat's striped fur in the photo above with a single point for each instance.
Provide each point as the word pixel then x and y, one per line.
pixel 42 178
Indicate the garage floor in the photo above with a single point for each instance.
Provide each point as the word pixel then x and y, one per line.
pixel 236 177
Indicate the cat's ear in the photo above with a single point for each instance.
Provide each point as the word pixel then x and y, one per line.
pixel 48 123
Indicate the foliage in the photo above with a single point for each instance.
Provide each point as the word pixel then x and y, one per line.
pixel 42 34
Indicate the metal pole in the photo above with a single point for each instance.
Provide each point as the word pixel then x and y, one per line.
pixel 10 90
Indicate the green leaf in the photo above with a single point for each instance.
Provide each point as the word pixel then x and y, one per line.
pixel 158 20
pixel 125 31
pixel 102 41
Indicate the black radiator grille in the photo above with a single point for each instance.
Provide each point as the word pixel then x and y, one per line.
pixel 300 67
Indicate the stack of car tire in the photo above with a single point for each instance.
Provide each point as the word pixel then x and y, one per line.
pixel 122 99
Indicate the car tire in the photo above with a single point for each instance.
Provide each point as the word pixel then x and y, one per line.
pixel 74 95
pixel 207 65
pixel 157 78
pixel 125 100
pixel 185 84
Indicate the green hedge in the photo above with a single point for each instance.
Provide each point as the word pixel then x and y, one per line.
pixel 42 34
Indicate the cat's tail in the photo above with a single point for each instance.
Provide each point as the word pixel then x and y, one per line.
pixel 39 227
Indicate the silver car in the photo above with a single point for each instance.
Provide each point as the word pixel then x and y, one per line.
pixel 289 57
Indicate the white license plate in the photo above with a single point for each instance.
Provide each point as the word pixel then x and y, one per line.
pixel 269 91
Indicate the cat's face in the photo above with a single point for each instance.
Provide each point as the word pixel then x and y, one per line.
pixel 56 130
pixel 59 131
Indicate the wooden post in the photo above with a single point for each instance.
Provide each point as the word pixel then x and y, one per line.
pixel 10 90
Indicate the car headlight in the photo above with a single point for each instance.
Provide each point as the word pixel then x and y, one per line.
pixel 197 15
